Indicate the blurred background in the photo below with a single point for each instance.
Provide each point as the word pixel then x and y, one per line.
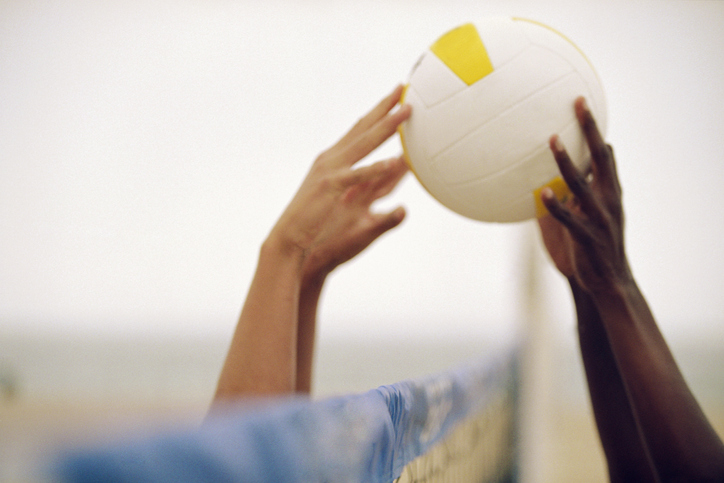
pixel 147 147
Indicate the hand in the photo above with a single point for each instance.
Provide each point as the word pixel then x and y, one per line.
pixel 584 236
pixel 332 204
pixel 359 226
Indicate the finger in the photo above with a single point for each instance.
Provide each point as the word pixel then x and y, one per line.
pixel 602 161
pixel 615 169
pixel 373 137
pixel 368 191
pixel 575 179
pixel 364 174
pixel 565 216
pixel 377 113
pixel 386 183
pixel 384 222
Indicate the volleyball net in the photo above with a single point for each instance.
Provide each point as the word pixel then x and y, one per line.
pixel 458 426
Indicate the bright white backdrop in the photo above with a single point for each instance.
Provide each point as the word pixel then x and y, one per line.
pixel 147 147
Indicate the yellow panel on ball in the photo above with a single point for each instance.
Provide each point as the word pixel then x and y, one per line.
pixel 464 53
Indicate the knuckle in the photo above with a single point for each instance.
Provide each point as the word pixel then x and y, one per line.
pixel 325 183
pixel 323 158
pixel 577 182
pixel 601 152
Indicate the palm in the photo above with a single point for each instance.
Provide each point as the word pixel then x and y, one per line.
pixel 558 243
pixel 356 226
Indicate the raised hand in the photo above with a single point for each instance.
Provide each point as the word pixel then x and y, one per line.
pixel 333 200
pixel 357 226
pixel 327 222
pixel 584 236
pixel 650 424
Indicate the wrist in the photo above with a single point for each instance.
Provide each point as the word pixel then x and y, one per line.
pixel 281 250
pixel 611 283
pixel 616 301
pixel 314 272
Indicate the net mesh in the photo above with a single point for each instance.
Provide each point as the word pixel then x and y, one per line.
pixel 480 448
pixel 456 426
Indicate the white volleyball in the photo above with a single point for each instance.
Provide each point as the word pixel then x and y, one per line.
pixel 486 97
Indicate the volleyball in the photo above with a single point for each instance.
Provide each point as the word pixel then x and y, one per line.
pixel 486 98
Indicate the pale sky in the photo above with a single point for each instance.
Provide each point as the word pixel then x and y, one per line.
pixel 146 148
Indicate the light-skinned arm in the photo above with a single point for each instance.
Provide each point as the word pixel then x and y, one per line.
pixel 271 352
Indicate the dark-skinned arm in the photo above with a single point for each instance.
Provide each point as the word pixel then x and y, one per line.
pixel 626 455
pixel 676 435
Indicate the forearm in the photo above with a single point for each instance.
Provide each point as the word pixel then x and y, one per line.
pixel 306 332
pixel 680 440
pixel 262 355
pixel 622 444
pixel 328 216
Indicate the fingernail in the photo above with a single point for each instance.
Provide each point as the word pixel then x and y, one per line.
pixel 558 144
pixel 547 193
pixel 584 104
